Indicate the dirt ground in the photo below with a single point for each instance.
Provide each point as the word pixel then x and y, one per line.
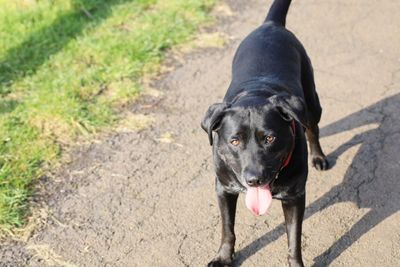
pixel 146 198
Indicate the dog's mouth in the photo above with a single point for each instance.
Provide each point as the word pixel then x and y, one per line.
pixel 258 199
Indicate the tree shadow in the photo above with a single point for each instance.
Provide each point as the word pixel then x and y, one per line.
pixel 371 180
pixel 7 105
pixel 24 59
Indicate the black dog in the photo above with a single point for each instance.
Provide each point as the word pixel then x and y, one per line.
pixel 260 146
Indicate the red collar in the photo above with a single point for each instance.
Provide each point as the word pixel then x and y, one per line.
pixel 287 160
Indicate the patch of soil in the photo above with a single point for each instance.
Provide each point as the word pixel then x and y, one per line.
pixel 145 198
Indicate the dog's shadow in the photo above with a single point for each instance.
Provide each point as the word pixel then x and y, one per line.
pixel 371 180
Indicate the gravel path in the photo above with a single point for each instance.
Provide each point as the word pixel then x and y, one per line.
pixel 145 198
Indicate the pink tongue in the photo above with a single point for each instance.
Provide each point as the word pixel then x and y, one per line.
pixel 258 199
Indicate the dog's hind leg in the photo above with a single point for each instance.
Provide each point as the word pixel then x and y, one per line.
pixel 318 158
pixel 227 205
pixel 314 112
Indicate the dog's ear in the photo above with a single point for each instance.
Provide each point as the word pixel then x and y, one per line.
pixel 212 119
pixel 291 107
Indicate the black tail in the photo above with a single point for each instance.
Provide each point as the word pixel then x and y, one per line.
pixel 277 12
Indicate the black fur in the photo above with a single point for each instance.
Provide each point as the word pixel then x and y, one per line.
pixel 272 84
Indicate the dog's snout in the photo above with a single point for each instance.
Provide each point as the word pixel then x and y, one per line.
pixel 253 179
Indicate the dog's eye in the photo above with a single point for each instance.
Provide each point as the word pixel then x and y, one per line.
pixel 235 142
pixel 269 139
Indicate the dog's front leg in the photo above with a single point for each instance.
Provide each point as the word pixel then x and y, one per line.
pixel 294 213
pixel 227 205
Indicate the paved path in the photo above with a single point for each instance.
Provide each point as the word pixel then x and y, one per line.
pixel 145 198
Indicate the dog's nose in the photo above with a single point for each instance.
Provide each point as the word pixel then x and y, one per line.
pixel 253 179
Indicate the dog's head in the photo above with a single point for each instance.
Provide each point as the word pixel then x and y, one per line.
pixel 254 135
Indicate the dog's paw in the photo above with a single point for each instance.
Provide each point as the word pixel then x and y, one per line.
pixel 295 261
pixel 218 262
pixel 296 264
pixel 320 163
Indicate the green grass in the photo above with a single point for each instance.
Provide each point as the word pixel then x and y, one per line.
pixel 65 68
